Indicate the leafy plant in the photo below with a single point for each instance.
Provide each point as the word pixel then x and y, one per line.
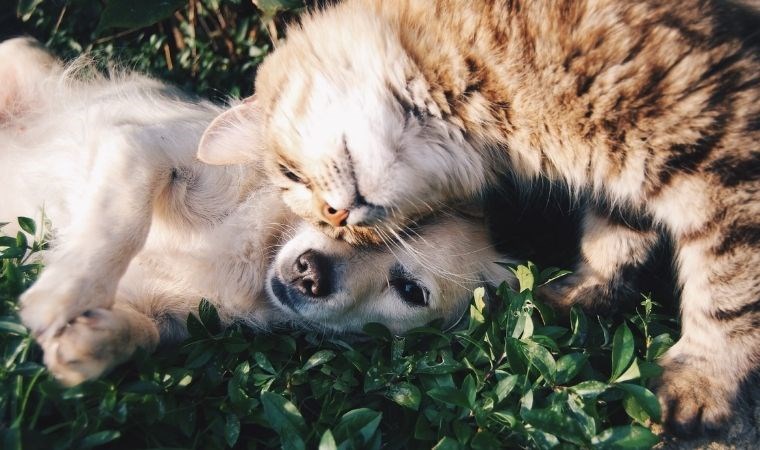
pixel 515 377
pixel 210 47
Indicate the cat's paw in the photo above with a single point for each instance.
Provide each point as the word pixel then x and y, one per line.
pixel 593 295
pixel 88 346
pixel 694 400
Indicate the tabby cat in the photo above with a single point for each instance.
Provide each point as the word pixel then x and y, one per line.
pixel 375 113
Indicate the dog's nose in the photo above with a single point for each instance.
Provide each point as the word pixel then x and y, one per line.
pixel 312 274
pixel 335 217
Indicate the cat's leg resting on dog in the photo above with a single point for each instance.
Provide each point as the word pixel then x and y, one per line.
pixel 611 252
pixel 96 341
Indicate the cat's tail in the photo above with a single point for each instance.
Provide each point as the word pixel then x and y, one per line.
pixel 25 67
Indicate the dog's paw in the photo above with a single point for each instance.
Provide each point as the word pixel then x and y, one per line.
pixel 57 298
pixel 88 346
pixel 694 400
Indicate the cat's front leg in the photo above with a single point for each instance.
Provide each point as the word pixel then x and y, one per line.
pixel 110 225
pixel 720 343
pixel 611 255
pixel 95 342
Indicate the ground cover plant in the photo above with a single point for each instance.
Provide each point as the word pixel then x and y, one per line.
pixel 514 376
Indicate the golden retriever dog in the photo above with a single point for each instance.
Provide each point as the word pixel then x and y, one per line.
pixel 142 230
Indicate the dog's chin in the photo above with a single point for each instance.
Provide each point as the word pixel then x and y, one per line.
pixel 286 301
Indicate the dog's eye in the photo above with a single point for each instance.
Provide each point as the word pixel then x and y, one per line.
pixel 290 174
pixel 410 291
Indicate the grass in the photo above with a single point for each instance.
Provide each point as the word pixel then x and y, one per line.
pixel 515 377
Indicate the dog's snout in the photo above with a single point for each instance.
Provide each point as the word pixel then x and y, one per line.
pixel 311 272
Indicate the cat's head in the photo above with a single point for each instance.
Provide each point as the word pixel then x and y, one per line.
pixel 347 129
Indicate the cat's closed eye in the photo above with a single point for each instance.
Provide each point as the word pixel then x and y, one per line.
pixel 290 174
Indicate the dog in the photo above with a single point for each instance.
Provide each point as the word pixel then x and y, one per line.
pixel 142 230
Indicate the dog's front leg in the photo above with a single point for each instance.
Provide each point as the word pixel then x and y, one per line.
pixel 110 225
pixel 97 341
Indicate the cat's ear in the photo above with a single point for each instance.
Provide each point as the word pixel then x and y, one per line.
pixel 234 137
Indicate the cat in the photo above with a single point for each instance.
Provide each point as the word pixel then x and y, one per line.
pixel 143 231
pixel 373 114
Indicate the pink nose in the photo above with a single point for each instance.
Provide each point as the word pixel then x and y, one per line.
pixel 335 217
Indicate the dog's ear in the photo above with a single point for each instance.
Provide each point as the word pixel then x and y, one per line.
pixel 234 137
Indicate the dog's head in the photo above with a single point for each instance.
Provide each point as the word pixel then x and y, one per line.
pixel 428 274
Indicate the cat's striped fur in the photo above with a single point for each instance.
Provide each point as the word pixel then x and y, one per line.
pixel 383 110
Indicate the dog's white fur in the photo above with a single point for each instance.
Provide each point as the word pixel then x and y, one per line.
pixel 143 230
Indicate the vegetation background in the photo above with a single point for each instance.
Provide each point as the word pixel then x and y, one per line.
pixel 515 376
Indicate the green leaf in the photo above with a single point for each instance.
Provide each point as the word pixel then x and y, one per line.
pixel 13 328
pixel 550 274
pixel 270 8
pixel 99 438
pixel 544 440
pixel 263 362
pixel 504 387
pixel 557 423
pixel 629 437
pixel 524 277
pixel 285 420
pixel 546 312
pixel 577 409
pixel 327 442
pixel 21 241
pixel 7 241
pixel 27 225
pixel 659 345
pixel 631 373
pixel 25 8
pixel 136 13
pixel 644 397
pixel 518 362
pixel 484 440
pixel 405 394
pixel 569 366
pixel 590 388
pixel 649 370
pixel 318 358
pixel 231 429
pixel 449 395
pixel 378 330
pixel 362 422
pixel 469 387
pixel 542 360
pixel 195 327
pixel 478 296
pixel 622 350
pixel 634 409
pixel 209 317
pixel 579 325
pixel 148 387
pixel 447 443
pixel 13 253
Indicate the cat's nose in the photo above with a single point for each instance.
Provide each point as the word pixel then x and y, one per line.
pixel 311 274
pixel 335 217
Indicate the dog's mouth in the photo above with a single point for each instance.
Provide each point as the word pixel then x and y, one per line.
pixel 280 294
